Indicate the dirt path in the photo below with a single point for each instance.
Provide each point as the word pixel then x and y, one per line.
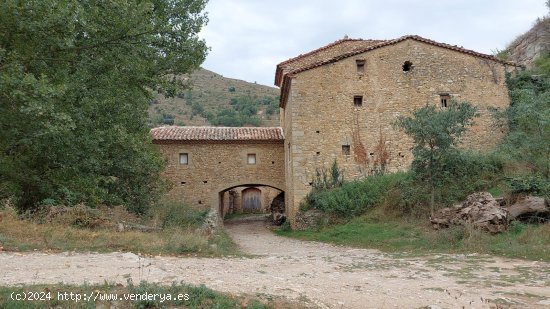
pixel 314 273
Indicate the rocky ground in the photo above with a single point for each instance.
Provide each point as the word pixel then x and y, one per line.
pixel 317 274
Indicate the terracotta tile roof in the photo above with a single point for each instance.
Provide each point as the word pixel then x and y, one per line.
pixel 216 134
pixel 321 54
pixel 286 70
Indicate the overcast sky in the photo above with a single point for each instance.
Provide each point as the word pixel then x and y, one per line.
pixel 248 38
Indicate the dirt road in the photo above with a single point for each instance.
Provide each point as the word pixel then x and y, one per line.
pixel 314 273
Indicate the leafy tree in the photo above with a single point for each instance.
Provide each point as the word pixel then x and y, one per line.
pixel 528 119
pixel 75 82
pixel 436 133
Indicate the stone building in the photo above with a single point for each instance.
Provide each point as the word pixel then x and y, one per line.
pixel 340 102
pixel 205 165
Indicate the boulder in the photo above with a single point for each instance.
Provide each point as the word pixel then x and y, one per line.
pixel 308 219
pixel 530 209
pixel 479 210
pixel 277 209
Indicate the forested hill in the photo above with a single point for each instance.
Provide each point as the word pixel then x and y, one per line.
pixel 217 100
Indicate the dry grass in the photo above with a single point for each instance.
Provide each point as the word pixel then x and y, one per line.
pixel 18 234
pixel 197 297
pixel 524 241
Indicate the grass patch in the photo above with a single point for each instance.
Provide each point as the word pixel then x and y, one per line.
pixel 179 236
pixel 173 296
pixel 399 235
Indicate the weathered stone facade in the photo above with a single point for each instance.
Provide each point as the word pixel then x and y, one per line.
pixel 334 108
pixel 339 103
pixel 216 166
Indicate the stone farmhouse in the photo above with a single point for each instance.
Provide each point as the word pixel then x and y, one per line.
pixel 338 102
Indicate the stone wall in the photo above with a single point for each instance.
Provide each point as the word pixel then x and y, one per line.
pixel 215 167
pixel 320 116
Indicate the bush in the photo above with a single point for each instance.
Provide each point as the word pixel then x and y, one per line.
pixel 328 179
pixel 176 214
pixel 464 174
pixel 530 184
pixel 354 198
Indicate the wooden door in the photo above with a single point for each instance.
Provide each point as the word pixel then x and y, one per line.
pixel 252 200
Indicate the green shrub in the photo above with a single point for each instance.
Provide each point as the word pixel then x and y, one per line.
pixel 465 173
pixel 328 179
pixel 530 184
pixel 354 198
pixel 176 214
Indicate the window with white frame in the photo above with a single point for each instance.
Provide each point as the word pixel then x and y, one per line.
pixel 251 158
pixel 184 158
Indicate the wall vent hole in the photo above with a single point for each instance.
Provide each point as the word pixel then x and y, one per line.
pixel 407 66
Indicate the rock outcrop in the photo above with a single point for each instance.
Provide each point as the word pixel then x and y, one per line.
pixel 486 213
pixel 480 210
pixel 532 44
pixel 530 209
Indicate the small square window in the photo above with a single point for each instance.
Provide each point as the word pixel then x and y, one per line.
pixel 251 158
pixel 445 99
pixel 184 159
pixel 358 101
pixel 346 150
pixel 360 66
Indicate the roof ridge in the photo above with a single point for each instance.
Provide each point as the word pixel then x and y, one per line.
pixel 215 127
pixel 318 50
pixel 379 45
pixel 279 68
pixel 402 38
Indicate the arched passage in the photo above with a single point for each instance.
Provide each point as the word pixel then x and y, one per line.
pixel 220 204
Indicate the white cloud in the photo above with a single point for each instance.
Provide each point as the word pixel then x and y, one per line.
pixel 249 37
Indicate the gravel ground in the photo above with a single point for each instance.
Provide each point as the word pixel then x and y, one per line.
pixel 316 274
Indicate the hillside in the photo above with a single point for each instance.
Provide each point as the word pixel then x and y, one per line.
pixel 217 100
pixel 532 44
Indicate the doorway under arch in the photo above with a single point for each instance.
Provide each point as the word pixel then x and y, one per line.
pixel 246 198
pixel 251 201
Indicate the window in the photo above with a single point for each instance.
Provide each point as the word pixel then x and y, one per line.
pixel 407 66
pixel 358 101
pixel 251 158
pixel 445 99
pixel 346 150
pixel 360 66
pixel 184 158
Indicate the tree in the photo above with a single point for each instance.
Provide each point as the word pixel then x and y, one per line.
pixel 436 133
pixel 75 81
pixel 528 119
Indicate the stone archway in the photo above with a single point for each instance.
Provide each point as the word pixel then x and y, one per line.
pixel 217 199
